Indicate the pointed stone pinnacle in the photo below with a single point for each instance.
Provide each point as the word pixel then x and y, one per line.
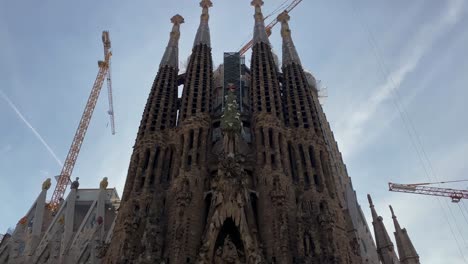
pixel 370 200
pixel 177 19
pixel 391 209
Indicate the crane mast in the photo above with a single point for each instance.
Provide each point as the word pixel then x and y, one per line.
pixel 107 47
pixel 269 27
pixel 421 188
pixel 69 164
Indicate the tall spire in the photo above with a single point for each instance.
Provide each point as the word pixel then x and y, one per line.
pixel 199 74
pixel 171 55
pixel 203 33
pixel 299 103
pixel 260 34
pixel 289 50
pixel 385 247
pixel 406 250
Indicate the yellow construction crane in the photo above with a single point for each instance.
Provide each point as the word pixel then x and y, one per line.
pixel 65 174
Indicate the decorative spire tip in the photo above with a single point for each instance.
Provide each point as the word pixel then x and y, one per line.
pixel 177 19
pixel 257 3
pixel 391 209
pixel 370 200
pixel 206 4
pixel 283 17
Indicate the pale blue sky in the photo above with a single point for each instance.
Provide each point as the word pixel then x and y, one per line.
pixel 48 62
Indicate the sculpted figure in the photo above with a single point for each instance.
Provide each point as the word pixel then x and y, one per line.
pixel 230 255
pixel 230 122
pixel 46 184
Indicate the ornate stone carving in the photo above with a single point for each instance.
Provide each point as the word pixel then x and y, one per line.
pixel 46 184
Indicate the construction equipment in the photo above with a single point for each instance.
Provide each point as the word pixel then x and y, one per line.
pixel 107 46
pixel 64 177
pixel 422 188
pixel 270 26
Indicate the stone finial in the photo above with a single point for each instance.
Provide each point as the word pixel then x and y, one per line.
pixel 369 198
pixel 203 32
pixel 171 55
pixel 177 20
pixel 284 17
pixel 75 184
pixel 206 4
pixel 257 3
pixel 46 184
pixel 260 34
pixel 103 184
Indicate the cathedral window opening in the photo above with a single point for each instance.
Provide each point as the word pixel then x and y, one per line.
pixel 155 166
pixel 253 203
pixel 142 182
pixel 273 161
pixel 322 207
pixel 309 246
pixel 181 149
pixel 189 161
pixel 270 137
pixel 292 161
pixel 188 260
pixel 146 160
pixel 200 136
pixel 262 136
pixel 169 166
pixel 312 157
pixel 263 157
pixel 164 165
pixel 303 159
pixel 316 180
pixel 307 179
pixel 207 207
pixel 191 139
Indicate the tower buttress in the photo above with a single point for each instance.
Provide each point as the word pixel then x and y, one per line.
pixel 385 247
pixel 142 209
pixel 406 250
pixel 187 200
pixel 311 168
pixel 275 194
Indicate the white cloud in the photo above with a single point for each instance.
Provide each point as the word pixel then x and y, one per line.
pixel 352 128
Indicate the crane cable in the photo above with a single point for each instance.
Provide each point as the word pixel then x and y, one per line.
pixel 407 122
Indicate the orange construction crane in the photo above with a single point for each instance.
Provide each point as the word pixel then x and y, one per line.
pixel 268 28
pixel 422 188
pixel 65 174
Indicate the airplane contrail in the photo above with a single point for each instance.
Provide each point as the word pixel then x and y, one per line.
pixel 25 121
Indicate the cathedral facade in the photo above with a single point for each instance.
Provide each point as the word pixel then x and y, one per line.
pixel 242 169
pixel 237 171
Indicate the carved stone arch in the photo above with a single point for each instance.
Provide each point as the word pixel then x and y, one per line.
pixel 229 243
